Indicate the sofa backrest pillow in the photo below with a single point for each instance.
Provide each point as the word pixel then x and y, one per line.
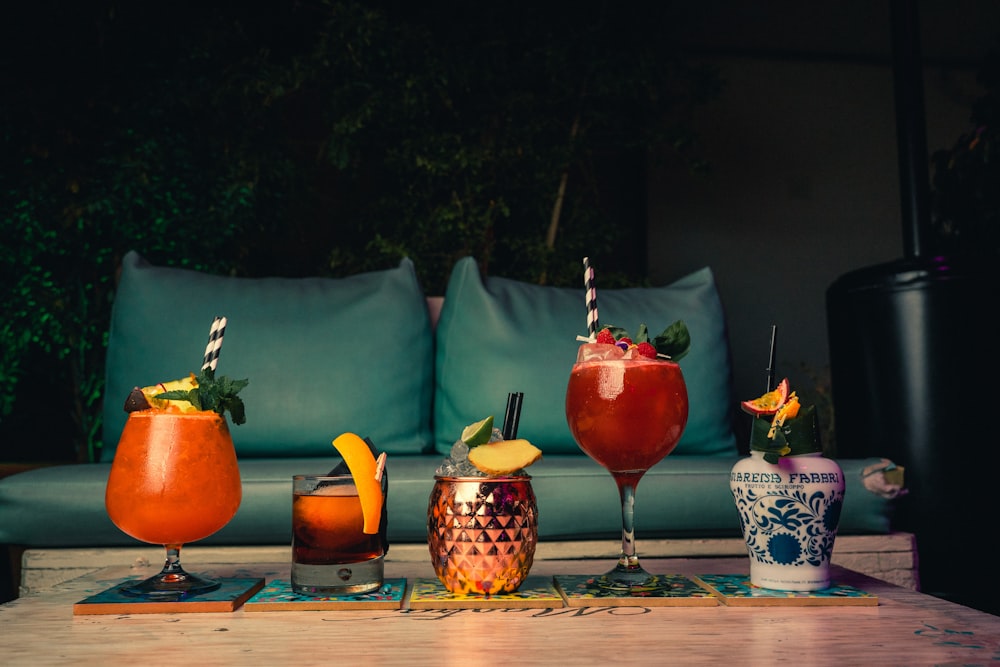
pixel 323 356
pixel 496 336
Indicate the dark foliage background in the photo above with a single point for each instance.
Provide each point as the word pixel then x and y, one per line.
pixel 310 138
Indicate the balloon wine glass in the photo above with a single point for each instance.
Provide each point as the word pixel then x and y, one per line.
pixel 627 415
pixel 175 478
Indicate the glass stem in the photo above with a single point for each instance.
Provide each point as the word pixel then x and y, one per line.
pixel 628 559
pixel 172 570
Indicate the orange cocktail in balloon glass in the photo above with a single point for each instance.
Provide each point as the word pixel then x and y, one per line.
pixel 174 480
pixel 627 412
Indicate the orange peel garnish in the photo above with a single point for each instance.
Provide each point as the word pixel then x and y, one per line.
pixel 788 410
pixel 363 466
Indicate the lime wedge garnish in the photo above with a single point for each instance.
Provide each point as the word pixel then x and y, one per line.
pixel 479 433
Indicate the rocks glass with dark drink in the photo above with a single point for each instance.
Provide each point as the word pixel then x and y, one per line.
pixel 331 553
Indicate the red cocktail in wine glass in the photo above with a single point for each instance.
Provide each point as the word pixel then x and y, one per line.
pixel 627 412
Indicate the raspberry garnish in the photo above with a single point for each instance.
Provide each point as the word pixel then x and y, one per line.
pixel 605 336
pixel 646 350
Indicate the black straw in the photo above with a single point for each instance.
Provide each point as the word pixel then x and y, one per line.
pixel 512 416
pixel 770 360
pixel 770 369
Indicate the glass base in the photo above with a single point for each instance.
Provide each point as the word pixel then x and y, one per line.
pixel 171 586
pixel 338 579
pixel 629 578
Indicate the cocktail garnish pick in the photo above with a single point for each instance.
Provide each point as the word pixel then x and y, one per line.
pixel 214 347
pixel 591 298
pixel 512 416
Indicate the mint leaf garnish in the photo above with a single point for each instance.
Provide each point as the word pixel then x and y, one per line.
pixel 214 393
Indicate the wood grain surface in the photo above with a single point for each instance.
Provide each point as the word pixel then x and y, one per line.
pixel 905 628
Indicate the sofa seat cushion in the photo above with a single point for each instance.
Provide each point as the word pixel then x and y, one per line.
pixel 683 496
pixel 496 336
pixel 323 356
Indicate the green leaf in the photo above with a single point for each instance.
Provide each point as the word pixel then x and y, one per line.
pixel 214 393
pixel 617 332
pixel 773 448
pixel 675 341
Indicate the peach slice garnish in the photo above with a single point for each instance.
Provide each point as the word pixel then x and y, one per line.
pixel 362 464
pixel 504 456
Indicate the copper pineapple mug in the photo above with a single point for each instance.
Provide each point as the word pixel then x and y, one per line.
pixel 482 532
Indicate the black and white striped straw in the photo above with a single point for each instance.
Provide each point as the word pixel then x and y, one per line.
pixel 214 346
pixel 591 297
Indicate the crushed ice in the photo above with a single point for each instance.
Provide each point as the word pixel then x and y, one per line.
pixel 457 464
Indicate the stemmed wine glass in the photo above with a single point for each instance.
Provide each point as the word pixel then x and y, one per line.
pixel 627 414
pixel 174 480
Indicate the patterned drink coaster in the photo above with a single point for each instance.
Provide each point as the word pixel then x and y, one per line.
pixel 228 597
pixel 279 596
pixel 674 590
pixel 735 590
pixel 536 592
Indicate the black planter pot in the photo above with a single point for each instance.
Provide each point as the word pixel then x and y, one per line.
pixel 914 368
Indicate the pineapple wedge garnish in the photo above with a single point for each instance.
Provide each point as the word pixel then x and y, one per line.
pixel 146 397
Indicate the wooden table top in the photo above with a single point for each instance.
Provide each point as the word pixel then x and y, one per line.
pixel 906 628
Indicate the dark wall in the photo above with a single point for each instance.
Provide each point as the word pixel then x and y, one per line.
pixel 805 184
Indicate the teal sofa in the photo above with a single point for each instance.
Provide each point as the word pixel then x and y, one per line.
pixel 364 354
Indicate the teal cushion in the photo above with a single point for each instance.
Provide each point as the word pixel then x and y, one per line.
pixel 497 336
pixel 323 356
pixel 683 496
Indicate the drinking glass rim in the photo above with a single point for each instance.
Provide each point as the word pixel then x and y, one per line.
pixel 151 413
pixel 623 362
pixel 345 475
pixel 474 478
